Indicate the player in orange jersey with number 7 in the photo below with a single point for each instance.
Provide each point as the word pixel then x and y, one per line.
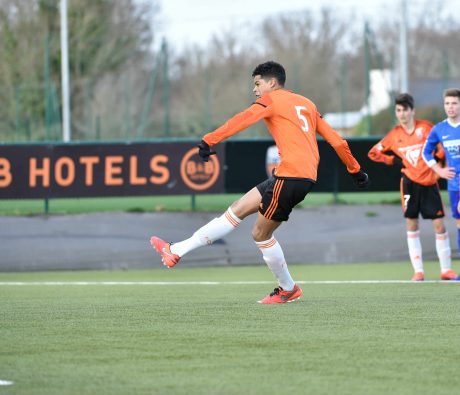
pixel 294 122
pixel 420 195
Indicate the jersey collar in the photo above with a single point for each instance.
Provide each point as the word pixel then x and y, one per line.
pixel 454 125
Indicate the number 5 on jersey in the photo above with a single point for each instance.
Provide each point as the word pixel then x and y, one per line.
pixel 302 118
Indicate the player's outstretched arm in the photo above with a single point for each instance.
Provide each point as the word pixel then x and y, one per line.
pixel 342 150
pixel 239 122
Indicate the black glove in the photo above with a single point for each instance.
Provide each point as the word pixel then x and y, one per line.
pixel 397 162
pixel 360 179
pixel 205 151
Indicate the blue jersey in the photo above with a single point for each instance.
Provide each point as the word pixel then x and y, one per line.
pixel 449 137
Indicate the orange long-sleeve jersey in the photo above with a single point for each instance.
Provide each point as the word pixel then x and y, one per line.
pixel 293 121
pixel 408 146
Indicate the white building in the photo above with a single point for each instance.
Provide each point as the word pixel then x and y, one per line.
pixel 379 99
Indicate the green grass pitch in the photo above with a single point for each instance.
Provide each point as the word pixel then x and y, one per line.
pixel 175 335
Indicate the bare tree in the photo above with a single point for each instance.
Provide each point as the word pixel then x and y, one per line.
pixel 118 81
pixel 104 37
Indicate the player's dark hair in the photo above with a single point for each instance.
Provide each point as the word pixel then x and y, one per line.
pixel 269 70
pixel 406 100
pixel 452 92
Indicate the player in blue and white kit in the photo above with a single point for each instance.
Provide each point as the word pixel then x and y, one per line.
pixel 447 133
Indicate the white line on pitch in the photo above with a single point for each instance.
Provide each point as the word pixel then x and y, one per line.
pixel 6 382
pixel 21 283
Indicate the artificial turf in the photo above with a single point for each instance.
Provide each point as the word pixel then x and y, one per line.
pixel 194 338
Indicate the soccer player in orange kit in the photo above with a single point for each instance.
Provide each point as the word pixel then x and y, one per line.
pixel 293 121
pixel 402 146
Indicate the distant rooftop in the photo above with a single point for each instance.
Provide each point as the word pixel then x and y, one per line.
pixel 428 93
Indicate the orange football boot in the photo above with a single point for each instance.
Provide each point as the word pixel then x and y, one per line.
pixel 167 257
pixel 279 295
pixel 449 275
pixel 418 276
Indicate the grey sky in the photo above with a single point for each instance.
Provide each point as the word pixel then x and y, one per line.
pixel 186 22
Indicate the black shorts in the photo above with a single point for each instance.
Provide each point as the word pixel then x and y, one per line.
pixel 420 199
pixel 280 195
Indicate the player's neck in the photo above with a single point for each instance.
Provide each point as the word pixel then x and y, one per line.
pixel 409 127
pixel 454 121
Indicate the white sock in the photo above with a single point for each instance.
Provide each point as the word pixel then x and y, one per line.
pixel 415 250
pixel 443 251
pixel 274 258
pixel 208 234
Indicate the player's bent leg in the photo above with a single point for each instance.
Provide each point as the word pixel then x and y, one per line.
pixel 212 231
pixel 220 226
pixel 206 235
pixel 248 204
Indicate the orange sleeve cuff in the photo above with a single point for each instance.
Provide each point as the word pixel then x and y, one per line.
pixel 375 155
